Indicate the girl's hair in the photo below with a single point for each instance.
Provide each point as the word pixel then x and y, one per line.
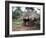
pixel 30 8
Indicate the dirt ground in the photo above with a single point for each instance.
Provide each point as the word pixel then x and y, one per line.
pixel 23 28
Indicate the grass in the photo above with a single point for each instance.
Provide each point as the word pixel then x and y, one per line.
pixel 17 21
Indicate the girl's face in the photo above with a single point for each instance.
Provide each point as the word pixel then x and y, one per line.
pixel 30 10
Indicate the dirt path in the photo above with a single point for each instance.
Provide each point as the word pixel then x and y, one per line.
pixel 23 28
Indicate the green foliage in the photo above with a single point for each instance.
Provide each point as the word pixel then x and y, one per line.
pixel 38 23
pixel 16 14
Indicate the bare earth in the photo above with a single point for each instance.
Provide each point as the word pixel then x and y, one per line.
pixel 23 28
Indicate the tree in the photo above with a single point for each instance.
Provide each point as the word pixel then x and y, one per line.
pixel 17 13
